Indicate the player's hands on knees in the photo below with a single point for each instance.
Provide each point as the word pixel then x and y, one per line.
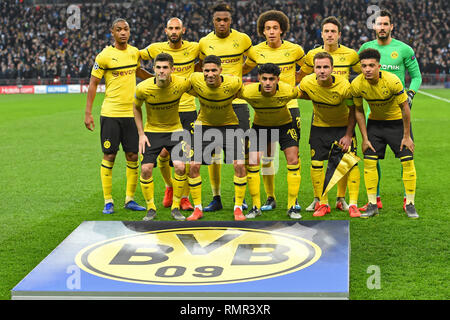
pixel 143 141
pixel 89 121
pixel 367 145
pixel 345 143
pixel 408 143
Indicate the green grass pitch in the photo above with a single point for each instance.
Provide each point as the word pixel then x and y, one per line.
pixel 49 169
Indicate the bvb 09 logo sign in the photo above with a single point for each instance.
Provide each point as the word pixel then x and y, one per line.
pixel 198 256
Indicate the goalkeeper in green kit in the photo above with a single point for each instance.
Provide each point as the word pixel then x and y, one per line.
pixel 396 57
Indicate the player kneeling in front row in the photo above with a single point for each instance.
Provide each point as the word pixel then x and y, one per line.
pixel 389 124
pixel 216 129
pixel 333 120
pixel 162 97
pixel 272 122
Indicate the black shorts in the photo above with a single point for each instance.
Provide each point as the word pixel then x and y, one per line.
pixel 322 138
pixel 159 140
pixel 296 123
pixel 243 115
pixel 386 132
pixel 209 141
pixel 116 131
pixel 187 119
pixel 285 135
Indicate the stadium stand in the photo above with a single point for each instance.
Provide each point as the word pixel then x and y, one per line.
pixel 38 47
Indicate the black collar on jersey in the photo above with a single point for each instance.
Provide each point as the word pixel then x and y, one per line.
pixel 339 45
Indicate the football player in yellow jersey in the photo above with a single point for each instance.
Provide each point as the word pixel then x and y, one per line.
pixel 216 129
pixel 344 60
pixel 162 96
pixel 272 122
pixel 389 123
pixel 333 120
pixel 185 56
pixel 119 64
pixel 230 46
pixel 273 25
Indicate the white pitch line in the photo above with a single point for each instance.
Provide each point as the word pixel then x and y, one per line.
pixel 433 96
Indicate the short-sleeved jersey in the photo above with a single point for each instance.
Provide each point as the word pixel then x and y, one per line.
pixel 396 57
pixel 344 58
pixel 119 69
pixel 287 56
pixel 216 107
pixel 270 111
pixel 330 103
pixel 162 103
pixel 184 61
pixel 231 51
pixel 383 98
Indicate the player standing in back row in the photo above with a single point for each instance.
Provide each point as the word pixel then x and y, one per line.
pixel 273 25
pixel 230 46
pixel 119 64
pixel 184 54
pixel 344 60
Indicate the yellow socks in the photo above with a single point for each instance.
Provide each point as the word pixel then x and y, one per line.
pixel 179 182
pixel 195 185
pixel 148 190
pixel 293 181
pixel 214 177
pixel 254 185
pixel 268 174
pixel 353 181
pixel 317 177
pixel 106 177
pixel 132 173
pixel 409 178
pixel 186 190
pixel 371 177
pixel 240 184
pixel 164 168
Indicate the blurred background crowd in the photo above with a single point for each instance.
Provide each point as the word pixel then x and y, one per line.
pixel 36 42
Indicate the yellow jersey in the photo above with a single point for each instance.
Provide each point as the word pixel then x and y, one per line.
pixel 230 50
pixel 184 61
pixel 216 107
pixel 330 104
pixel 383 98
pixel 344 58
pixel 162 103
pixel 270 111
pixel 287 56
pixel 119 69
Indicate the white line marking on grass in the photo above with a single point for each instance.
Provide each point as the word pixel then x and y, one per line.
pixel 433 96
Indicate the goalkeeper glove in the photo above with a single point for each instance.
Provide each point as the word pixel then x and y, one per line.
pixel 410 93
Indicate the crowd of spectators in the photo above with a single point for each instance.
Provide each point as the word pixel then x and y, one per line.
pixel 36 41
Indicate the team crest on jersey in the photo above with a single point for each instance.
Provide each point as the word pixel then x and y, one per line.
pixel 394 55
pixel 235 44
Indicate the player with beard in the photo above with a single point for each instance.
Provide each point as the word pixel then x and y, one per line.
pixel 185 55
